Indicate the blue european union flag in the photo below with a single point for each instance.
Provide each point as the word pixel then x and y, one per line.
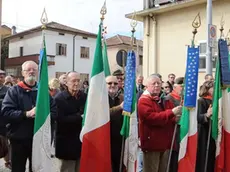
pixel 224 62
pixel 191 77
pixel 130 77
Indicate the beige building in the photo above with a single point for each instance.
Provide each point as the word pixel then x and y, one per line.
pixel 123 43
pixel 168 30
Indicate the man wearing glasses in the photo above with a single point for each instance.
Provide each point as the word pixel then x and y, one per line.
pixel 18 109
pixel 171 79
pixel 116 119
pixel 120 80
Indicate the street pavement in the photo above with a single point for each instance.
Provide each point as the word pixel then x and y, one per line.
pixel 55 165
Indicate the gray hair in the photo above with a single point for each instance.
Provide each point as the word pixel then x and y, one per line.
pixel 151 77
pixel 28 62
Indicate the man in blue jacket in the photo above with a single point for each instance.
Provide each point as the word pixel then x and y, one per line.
pixel 18 109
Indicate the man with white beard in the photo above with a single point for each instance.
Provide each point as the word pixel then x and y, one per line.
pixel 18 109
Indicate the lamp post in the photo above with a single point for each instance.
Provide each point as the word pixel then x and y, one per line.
pixel 208 47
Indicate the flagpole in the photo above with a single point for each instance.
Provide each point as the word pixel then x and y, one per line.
pixel 44 21
pixel 209 122
pixel 133 24
pixel 195 24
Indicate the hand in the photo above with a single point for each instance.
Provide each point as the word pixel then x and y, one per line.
pixel 31 113
pixel 209 112
pixel 121 105
pixel 177 110
pixel 177 118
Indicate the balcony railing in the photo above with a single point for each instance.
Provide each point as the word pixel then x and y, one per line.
pixel 157 3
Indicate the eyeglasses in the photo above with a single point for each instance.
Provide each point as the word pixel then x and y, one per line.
pixel 110 83
pixel 28 70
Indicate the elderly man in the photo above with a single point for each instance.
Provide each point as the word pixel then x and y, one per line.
pixel 120 79
pixel 62 80
pixel 18 108
pixel 70 107
pixel 116 118
pixel 3 90
pixel 157 118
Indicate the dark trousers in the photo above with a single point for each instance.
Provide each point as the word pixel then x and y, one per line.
pixel 21 150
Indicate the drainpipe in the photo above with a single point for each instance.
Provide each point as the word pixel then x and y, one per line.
pixel 74 51
pixel 154 43
pixel 145 68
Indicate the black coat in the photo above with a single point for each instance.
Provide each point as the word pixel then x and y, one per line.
pixel 203 128
pixel 3 91
pixel 116 121
pixel 19 99
pixel 69 125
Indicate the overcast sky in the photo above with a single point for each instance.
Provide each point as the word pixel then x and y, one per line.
pixel 81 14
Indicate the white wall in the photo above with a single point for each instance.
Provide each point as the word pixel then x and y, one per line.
pixel 32 44
pixel 84 65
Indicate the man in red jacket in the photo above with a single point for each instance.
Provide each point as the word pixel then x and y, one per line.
pixel 157 118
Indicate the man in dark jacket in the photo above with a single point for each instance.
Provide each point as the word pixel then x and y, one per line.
pixel 18 109
pixel 3 90
pixel 70 107
pixel 175 98
pixel 116 121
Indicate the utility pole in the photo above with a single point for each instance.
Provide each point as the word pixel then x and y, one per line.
pixel 208 47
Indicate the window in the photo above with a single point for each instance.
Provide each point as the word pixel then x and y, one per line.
pixel 58 74
pixel 202 60
pixel 61 34
pixel 61 49
pixel 85 52
pixel 140 60
pixel 84 77
pixel 84 37
pixel 16 71
pixel 21 51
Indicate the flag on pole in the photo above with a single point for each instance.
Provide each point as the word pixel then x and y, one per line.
pixel 95 134
pixel 41 153
pixel 129 127
pixel 188 122
pixel 221 118
pixel 105 60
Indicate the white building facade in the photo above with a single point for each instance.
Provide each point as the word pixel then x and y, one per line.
pixel 68 49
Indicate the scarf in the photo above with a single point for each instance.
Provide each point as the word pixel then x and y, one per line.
pixel 209 97
pixel 175 95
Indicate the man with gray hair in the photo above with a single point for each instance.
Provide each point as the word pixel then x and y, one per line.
pixel 70 107
pixel 18 109
pixel 157 119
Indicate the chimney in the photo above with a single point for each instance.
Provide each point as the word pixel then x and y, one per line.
pixel 13 31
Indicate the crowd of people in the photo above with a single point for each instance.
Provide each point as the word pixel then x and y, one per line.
pixel 159 109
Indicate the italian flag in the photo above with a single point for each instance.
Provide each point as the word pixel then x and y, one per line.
pixel 188 140
pixel 221 124
pixel 130 133
pixel 95 134
pixel 105 59
pixel 41 153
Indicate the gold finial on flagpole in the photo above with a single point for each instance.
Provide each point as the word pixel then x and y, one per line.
pixel 44 19
pixel 195 24
pixel 133 24
pixel 103 11
pixel 222 22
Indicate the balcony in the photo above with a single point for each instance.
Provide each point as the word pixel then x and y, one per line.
pixel 17 61
pixel 155 7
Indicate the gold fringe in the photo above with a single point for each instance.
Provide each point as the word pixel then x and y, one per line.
pixel 126 113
